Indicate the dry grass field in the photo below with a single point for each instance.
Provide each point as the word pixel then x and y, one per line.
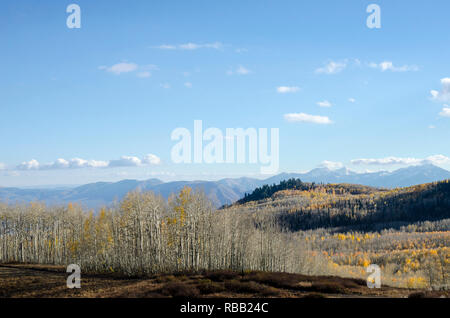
pixel 40 281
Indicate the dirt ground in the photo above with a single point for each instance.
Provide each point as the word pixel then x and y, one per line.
pixel 38 281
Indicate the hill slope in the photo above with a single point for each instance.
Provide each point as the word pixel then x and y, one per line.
pixel 303 206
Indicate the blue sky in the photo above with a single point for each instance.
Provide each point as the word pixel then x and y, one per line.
pixel 136 70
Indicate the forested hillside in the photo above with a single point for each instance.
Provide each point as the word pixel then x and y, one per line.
pixel 302 206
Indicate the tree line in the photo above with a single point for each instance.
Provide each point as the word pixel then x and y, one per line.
pixel 146 234
pixel 370 211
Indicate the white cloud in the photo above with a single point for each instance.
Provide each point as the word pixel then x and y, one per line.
pixel 436 159
pixel 287 89
pixel 62 164
pixel 352 100
pixel 124 67
pixel 386 161
pixel 120 68
pixel 166 47
pixel 125 161
pixel 434 94
pixel 165 85
pixel 241 70
pixel 431 127
pixel 81 163
pixel 33 164
pixel 151 159
pixel 144 74
pixel 332 67
pixel 444 94
pixel 389 66
pixel 194 46
pixel 241 50
pixel 2 166
pixel 77 163
pixel 188 84
pixel 445 112
pixel 325 103
pixel 332 165
pixel 190 46
pixel 305 118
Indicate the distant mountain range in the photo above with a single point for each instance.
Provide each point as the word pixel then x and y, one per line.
pixel 225 191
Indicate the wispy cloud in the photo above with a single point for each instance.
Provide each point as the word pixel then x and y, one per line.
pixel 120 68
pixel 2 166
pixel 332 165
pixel 241 70
pixel 166 47
pixel 436 159
pixel 287 89
pixel 306 118
pixel 324 103
pixel 124 67
pixel 190 46
pixel 332 67
pixel 389 66
pixel 77 163
pixel 144 74
pixel 444 94
pixel 241 50
pixel 188 84
pixel 352 100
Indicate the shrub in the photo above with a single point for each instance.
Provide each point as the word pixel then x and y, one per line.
pixel 166 279
pixel 279 280
pixel 178 289
pixel 249 288
pixel 221 276
pixel 210 287
pixel 328 288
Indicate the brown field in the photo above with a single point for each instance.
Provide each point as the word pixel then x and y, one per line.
pixel 39 281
